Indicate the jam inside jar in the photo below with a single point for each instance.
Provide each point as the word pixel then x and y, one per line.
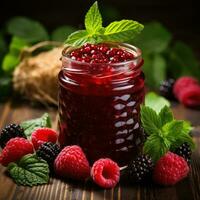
pixel 99 106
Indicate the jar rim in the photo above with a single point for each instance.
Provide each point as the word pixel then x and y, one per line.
pixel 131 48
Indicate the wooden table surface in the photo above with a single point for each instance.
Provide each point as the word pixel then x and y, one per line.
pixel 188 189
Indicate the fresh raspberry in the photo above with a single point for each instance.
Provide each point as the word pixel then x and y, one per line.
pixel 182 83
pixel 170 169
pixel 190 96
pixel 105 173
pixel 15 149
pixel 42 135
pixel 71 162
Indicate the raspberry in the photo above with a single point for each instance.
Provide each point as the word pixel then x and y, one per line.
pixel 41 135
pixel 184 151
pixel 15 149
pixel 100 53
pixel 10 131
pixel 140 168
pixel 170 169
pixel 48 151
pixel 190 96
pixel 182 83
pixel 105 173
pixel 71 162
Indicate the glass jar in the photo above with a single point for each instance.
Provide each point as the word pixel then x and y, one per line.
pixel 99 106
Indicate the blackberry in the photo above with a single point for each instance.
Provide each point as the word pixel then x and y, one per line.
pixel 11 131
pixel 184 151
pixel 166 88
pixel 48 151
pixel 140 169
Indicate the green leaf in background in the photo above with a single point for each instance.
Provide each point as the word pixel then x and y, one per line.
pixel 150 120
pixel 3 47
pixel 182 61
pixel 16 45
pixel 155 38
pixel 31 125
pixel 12 58
pixel 61 33
pixel 122 31
pixel 155 101
pixel 5 86
pixel 10 61
pixel 93 19
pixel 27 29
pixel 29 171
pixel 155 69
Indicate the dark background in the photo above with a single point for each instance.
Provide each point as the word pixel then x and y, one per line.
pixel 179 16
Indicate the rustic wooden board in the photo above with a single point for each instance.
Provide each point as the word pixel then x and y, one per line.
pixel 188 189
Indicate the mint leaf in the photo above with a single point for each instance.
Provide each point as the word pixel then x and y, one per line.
pixel 30 30
pixel 150 120
pixel 61 33
pixel 156 146
pixel 166 115
pixel 155 101
pixel 122 31
pixel 177 132
pixel 93 19
pixel 30 171
pixel 78 38
pixel 31 125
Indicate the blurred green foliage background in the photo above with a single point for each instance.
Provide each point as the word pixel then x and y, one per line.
pixel 163 55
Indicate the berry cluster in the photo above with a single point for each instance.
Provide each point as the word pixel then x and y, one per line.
pixel 166 88
pixel 100 53
pixel 71 162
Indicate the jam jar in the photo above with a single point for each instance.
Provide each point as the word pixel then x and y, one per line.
pixel 99 106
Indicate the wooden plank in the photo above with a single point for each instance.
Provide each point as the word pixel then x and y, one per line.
pixel 65 189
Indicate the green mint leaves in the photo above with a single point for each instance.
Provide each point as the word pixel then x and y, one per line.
pixel 164 132
pixel 30 171
pixel 30 125
pixel 121 31
pixel 93 19
pixel 118 31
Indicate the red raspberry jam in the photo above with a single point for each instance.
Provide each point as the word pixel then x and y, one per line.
pixel 99 101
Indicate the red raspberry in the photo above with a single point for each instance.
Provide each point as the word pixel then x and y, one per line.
pixel 105 173
pixel 42 135
pixel 187 91
pixel 182 83
pixel 15 149
pixel 190 96
pixel 170 169
pixel 71 162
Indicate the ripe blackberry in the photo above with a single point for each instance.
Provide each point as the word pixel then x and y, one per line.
pixel 10 131
pixel 140 169
pixel 48 151
pixel 166 88
pixel 184 151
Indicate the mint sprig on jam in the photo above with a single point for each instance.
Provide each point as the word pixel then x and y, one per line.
pixel 117 31
pixel 164 132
